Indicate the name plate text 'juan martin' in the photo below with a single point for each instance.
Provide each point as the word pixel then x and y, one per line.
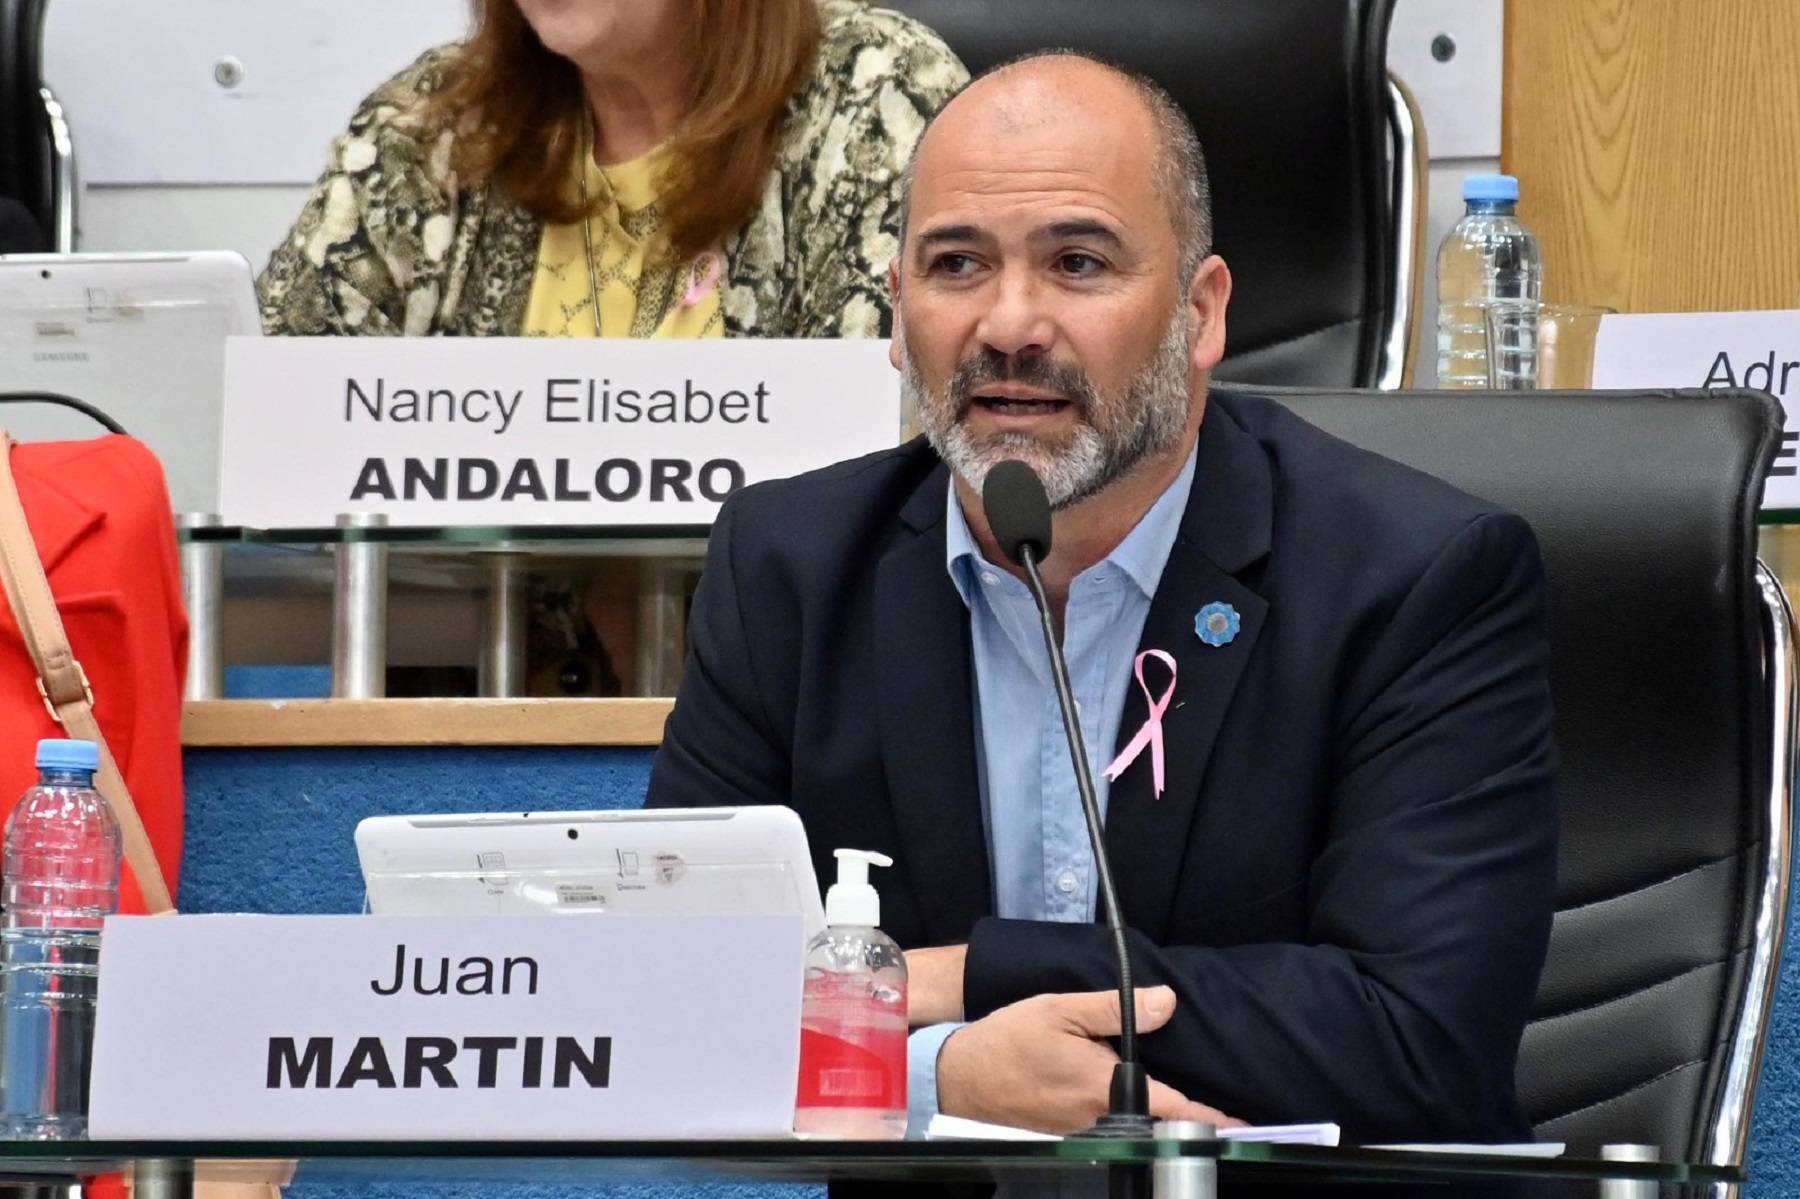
pixel 597 1026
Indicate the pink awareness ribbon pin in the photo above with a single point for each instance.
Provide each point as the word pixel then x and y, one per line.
pixel 1152 732
pixel 703 278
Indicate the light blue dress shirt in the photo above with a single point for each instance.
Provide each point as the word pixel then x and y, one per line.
pixel 1037 838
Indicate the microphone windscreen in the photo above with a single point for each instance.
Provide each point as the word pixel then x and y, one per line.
pixel 1018 511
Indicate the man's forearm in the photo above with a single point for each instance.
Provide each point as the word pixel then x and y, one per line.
pixel 1273 1033
pixel 934 985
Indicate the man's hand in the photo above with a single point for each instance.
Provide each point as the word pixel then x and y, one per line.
pixel 934 985
pixel 1039 1063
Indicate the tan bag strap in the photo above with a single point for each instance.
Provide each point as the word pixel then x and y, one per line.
pixel 61 681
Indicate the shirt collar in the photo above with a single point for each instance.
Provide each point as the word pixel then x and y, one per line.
pixel 1141 555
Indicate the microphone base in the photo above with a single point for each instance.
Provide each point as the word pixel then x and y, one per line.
pixel 1118 1126
pixel 1129 1098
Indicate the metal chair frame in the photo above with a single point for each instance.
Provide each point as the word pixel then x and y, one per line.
pixel 1729 1134
pixel 1409 188
pixel 65 184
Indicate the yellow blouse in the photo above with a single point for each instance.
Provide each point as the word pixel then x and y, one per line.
pixel 642 293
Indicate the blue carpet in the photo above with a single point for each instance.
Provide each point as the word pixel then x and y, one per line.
pixel 269 830
pixel 1774 1158
pixel 277 682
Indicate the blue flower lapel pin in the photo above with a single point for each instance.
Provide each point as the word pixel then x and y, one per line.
pixel 1216 624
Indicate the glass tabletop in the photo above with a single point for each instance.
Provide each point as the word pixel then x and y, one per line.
pixel 585 1162
pixel 465 542
pixel 652 539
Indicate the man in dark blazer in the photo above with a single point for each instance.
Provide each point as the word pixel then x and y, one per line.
pixel 1346 882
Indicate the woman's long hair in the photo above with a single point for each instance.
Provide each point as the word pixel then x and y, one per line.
pixel 521 114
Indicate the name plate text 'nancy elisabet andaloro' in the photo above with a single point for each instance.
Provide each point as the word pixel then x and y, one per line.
pixel 536 431
pixel 593 1027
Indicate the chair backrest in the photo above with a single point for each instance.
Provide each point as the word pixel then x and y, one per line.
pixel 27 163
pixel 1290 100
pixel 1644 505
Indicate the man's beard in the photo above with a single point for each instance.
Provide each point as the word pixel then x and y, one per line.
pixel 1112 435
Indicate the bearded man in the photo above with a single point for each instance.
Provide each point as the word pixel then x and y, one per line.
pixel 1340 893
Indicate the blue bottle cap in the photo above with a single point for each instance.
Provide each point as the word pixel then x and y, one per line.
pixel 68 755
pixel 1491 188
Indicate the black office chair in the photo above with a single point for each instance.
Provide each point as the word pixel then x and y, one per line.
pixel 1672 664
pixel 37 161
pixel 1315 156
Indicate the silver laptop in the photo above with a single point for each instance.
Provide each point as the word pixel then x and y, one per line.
pixel 693 861
pixel 139 336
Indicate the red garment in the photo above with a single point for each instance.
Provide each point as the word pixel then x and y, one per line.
pixel 99 511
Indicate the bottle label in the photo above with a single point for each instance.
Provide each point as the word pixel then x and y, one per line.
pixel 851 1067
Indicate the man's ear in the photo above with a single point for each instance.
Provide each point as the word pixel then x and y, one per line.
pixel 894 301
pixel 1208 294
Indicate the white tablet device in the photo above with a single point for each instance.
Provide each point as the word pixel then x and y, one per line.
pixel 693 861
pixel 139 336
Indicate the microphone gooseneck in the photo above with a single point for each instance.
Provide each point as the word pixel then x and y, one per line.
pixel 1018 515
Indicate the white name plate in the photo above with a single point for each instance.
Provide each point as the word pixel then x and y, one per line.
pixel 1713 349
pixel 536 431
pixel 447 1028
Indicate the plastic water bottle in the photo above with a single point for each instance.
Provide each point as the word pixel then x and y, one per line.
pixel 60 880
pixel 1488 259
pixel 853 1016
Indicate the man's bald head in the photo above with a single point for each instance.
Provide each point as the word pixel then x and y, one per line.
pixel 1007 95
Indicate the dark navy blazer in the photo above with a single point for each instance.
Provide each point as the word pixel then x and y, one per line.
pixel 1350 877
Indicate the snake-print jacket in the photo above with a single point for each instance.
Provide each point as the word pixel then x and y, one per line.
pixel 391 242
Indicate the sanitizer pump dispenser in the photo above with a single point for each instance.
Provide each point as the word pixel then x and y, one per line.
pixel 853 1016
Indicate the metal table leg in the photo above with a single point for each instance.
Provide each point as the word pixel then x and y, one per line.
pixel 163 1178
pixel 359 613
pixel 1185 1177
pixel 1627 1188
pixel 661 627
pixel 203 585
pixel 504 626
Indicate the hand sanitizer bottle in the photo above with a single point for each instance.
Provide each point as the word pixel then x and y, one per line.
pixel 853 1016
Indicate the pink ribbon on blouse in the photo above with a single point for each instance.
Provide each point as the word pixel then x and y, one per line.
pixel 1152 732
pixel 703 278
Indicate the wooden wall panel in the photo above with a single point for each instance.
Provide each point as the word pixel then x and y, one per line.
pixel 1657 145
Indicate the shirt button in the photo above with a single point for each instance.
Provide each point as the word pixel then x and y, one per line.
pixel 989 577
pixel 1066 884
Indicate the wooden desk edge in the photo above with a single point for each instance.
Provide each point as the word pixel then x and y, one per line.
pixel 371 722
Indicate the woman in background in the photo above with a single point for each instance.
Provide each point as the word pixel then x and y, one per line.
pixel 620 168
pixel 641 168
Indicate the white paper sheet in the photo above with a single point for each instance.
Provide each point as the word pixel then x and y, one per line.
pixel 957 1128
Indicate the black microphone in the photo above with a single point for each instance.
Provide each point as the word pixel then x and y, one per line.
pixel 1018 514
